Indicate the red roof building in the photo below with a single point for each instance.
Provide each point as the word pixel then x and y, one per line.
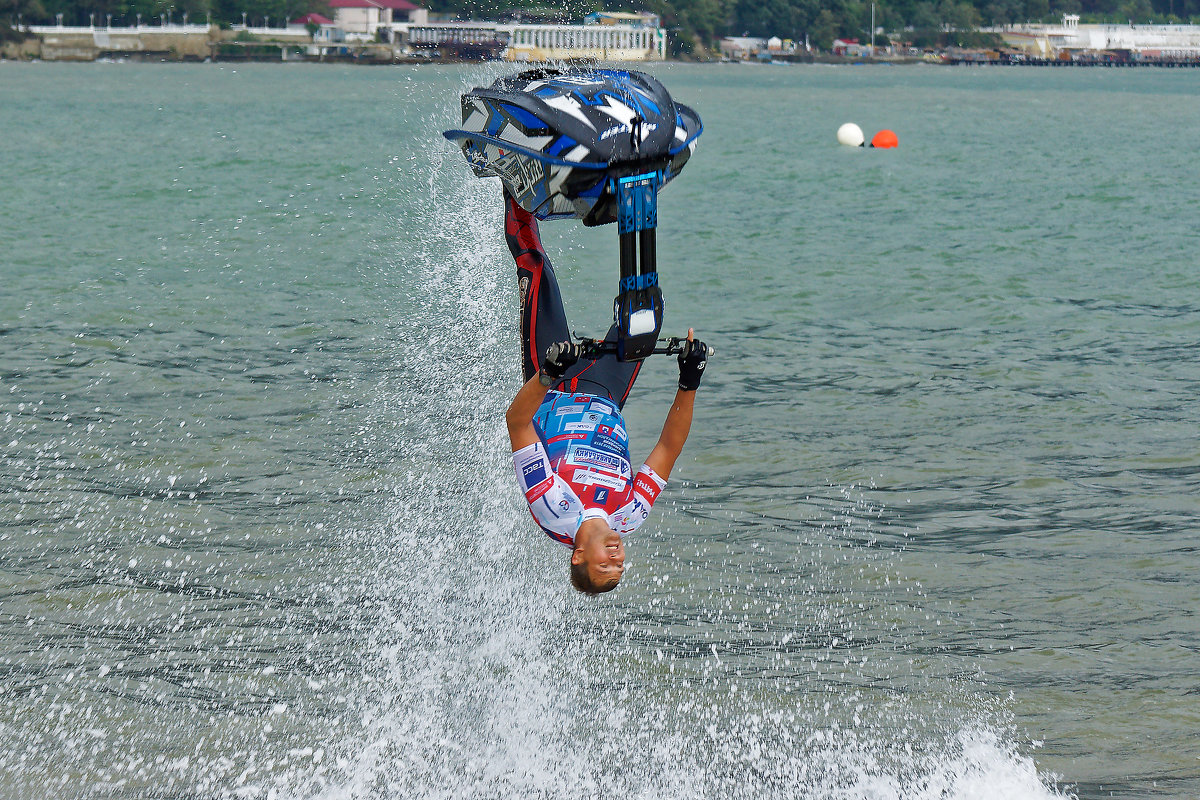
pixel 312 19
pixel 367 16
pixel 394 5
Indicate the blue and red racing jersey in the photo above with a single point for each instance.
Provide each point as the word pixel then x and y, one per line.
pixel 581 470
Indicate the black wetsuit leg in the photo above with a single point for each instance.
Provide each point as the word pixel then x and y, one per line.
pixel 544 321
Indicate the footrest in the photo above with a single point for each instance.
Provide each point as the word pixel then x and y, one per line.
pixel 637 202
pixel 638 308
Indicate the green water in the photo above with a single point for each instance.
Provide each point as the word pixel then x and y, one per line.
pixel 933 535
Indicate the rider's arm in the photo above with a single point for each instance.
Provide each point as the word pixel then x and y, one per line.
pixel 647 485
pixel 679 418
pixel 674 434
pixel 519 416
pixel 559 357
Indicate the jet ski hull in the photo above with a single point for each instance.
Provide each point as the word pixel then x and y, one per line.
pixel 559 139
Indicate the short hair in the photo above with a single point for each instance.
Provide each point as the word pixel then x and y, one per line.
pixel 583 582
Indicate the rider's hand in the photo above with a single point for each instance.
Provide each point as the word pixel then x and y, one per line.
pixel 560 357
pixel 691 363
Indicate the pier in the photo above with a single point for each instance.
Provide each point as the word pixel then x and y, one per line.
pixel 1109 63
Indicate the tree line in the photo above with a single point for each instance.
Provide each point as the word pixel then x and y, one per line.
pixel 126 12
pixel 694 25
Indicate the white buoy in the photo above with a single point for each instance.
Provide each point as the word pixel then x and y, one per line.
pixel 850 135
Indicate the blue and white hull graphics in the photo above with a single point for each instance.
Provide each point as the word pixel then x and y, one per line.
pixel 558 139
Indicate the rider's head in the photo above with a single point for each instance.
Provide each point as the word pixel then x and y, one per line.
pixel 598 560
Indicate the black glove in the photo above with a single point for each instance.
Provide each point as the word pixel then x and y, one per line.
pixel 560 357
pixel 691 365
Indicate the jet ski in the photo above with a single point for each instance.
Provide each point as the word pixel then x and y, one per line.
pixel 590 144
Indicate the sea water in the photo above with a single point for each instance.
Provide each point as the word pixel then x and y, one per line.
pixel 933 534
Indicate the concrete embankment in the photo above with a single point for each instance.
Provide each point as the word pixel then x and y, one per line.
pixel 21 51
pixel 162 43
pixel 173 42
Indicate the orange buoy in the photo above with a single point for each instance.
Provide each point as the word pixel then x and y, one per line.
pixel 885 138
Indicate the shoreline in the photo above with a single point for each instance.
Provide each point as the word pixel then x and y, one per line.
pixel 40 48
pixel 161 58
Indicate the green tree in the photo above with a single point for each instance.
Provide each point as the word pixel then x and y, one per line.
pixel 1036 10
pixel 1060 7
pixel 15 14
pixel 1001 12
pixel 960 16
pixel 824 30
pixel 1137 11
pixel 782 18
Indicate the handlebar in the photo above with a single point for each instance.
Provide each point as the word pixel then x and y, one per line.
pixel 595 348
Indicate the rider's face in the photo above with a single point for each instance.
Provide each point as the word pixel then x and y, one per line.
pixel 604 554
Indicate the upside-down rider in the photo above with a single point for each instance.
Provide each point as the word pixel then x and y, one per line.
pixel 570 446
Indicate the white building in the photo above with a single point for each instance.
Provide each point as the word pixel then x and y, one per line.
pixel 327 32
pixel 851 48
pixel 1047 41
pixel 741 47
pixel 640 19
pixel 365 17
pixel 599 42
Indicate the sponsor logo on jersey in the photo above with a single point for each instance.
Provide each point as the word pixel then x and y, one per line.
pixel 646 487
pixel 601 495
pixel 582 478
pixel 533 473
pixel 610 445
pixel 566 437
pixel 533 493
pixel 592 458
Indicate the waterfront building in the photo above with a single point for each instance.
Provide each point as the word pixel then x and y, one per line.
pixel 467 40
pixel 1068 37
pixel 737 48
pixel 639 19
pixel 586 42
pixel 327 31
pixel 851 48
pixel 524 42
pixel 365 17
pixel 403 27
